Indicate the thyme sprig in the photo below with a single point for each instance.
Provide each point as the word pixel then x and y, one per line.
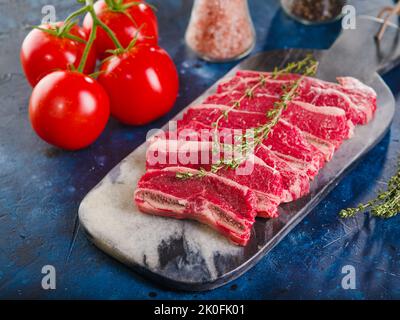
pixel 385 205
pixel 188 175
pixel 294 67
pixel 254 138
pixel 250 143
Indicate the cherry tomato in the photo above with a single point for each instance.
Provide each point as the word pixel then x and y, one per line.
pixel 69 110
pixel 142 84
pixel 125 25
pixel 43 53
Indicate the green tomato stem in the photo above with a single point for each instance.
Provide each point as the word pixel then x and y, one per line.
pixel 88 47
pixel 71 17
pixel 100 23
pixel 110 3
pixel 89 7
pixel 96 23
pixel 92 37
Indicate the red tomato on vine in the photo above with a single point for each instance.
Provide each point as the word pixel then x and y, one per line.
pixel 43 51
pixel 69 110
pixel 142 84
pixel 128 19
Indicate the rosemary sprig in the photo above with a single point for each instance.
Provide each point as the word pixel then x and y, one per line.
pixel 307 67
pixel 385 205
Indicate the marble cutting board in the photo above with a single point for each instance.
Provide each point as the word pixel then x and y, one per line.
pixel 187 255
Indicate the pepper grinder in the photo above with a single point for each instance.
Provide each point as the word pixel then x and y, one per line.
pixel 220 30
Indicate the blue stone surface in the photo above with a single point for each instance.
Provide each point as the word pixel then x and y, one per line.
pixel 41 187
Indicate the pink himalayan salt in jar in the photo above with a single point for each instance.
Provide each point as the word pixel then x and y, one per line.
pixel 220 30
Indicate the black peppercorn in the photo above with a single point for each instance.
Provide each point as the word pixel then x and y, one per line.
pixel 314 11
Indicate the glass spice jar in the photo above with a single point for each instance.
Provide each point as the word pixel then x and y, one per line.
pixel 314 11
pixel 220 30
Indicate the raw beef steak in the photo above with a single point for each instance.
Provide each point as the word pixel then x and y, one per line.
pixel 327 123
pixel 284 138
pixel 355 98
pixel 266 182
pixel 220 203
pixel 181 181
pixel 293 171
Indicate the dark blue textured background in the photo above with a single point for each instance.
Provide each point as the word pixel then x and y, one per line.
pixel 41 187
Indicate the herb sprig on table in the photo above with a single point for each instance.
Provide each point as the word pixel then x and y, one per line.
pixel 385 205
pixel 250 141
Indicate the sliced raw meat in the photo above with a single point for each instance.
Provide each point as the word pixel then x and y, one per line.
pixel 220 203
pixel 265 181
pixel 293 171
pixel 331 97
pixel 284 138
pixel 326 147
pixel 259 103
pixel 195 130
pixel 359 93
pixel 327 123
pixel 313 125
pixel 355 98
pixel 362 95
pixel 296 183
